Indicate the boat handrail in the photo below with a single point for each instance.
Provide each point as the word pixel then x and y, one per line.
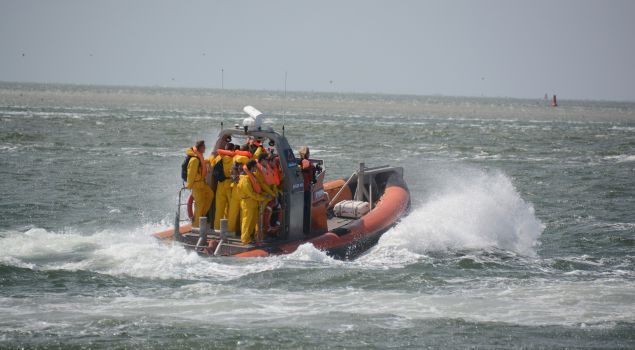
pixel 337 195
pixel 177 218
pixel 370 172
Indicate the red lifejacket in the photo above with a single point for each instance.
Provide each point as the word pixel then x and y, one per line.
pixel 276 173
pixel 201 162
pixel 308 171
pixel 252 178
pixel 275 178
pixel 266 172
pixel 224 152
pixel 244 153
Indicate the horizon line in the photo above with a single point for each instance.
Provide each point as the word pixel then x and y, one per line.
pixel 168 87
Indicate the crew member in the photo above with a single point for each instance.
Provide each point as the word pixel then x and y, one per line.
pixel 308 172
pixel 256 148
pixel 223 187
pixel 266 179
pixel 196 172
pixel 233 211
pixel 264 175
pixel 278 177
pixel 250 199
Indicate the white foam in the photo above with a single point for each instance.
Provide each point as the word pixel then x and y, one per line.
pixel 8 148
pixel 118 252
pixel 622 158
pixel 543 302
pixel 538 302
pixel 469 209
pixel 623 128
pixel 465 209
pixel 135 253
pixel 308 253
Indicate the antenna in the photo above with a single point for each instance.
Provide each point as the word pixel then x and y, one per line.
pixel 222 95
pixel 284 102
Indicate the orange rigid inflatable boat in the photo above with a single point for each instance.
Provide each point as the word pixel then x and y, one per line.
pixel 346 216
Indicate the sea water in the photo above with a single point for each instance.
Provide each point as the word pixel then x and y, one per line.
pixel 521 233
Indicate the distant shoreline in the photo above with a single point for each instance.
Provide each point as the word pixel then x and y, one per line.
pixel 210 100
pixel 64 86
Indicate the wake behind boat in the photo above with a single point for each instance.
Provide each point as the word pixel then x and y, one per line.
pixel 343 217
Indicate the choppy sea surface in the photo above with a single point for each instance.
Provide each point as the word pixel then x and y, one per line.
pixel 521 234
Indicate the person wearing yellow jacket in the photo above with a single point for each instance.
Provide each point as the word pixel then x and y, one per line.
pixel 223 188
pixel 264 175
pixel 250 199
pixel 278 175
pixel 234 204
pixel 196 172
pixel 261 166
pixel 257 149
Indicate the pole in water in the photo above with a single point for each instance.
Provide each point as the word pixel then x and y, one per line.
pixel 554 102
pixel 222 88
pixel 284 102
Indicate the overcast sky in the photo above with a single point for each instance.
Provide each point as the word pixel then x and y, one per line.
pixel 576 49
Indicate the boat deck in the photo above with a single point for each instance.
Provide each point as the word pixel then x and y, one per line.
pixel 232 244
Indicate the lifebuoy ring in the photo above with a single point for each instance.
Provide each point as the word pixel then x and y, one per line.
pixel 190 211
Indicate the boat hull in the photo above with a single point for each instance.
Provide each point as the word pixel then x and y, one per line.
pixel 345 241
pixel 350 240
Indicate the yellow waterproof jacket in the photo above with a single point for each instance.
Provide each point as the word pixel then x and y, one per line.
pixel 257 153
pixel 246 190
pixel 228 161
pixel 194 173
pixel 264 185
pixel 212 160
pixel 241 159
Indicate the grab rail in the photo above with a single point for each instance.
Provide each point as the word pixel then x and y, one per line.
pixel 177 219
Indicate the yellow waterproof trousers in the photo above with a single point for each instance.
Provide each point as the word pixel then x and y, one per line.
pixel 234 210
pixel 203 196
pixel 223 199
pixel 248 219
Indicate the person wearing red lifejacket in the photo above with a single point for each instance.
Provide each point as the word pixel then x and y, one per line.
pixel 274 160
pixel 266 179
pixel 308 173
pixel 250 199
pixel 223 186
pixel 256 148
pixel 264 175
pixel 233 211
pixel 308 170
pixel 196 172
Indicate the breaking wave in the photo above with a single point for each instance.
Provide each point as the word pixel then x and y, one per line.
pixel 132 253
pixel 466 210
pixel 469 209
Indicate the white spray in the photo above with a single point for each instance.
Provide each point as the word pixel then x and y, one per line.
pixel 469 209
